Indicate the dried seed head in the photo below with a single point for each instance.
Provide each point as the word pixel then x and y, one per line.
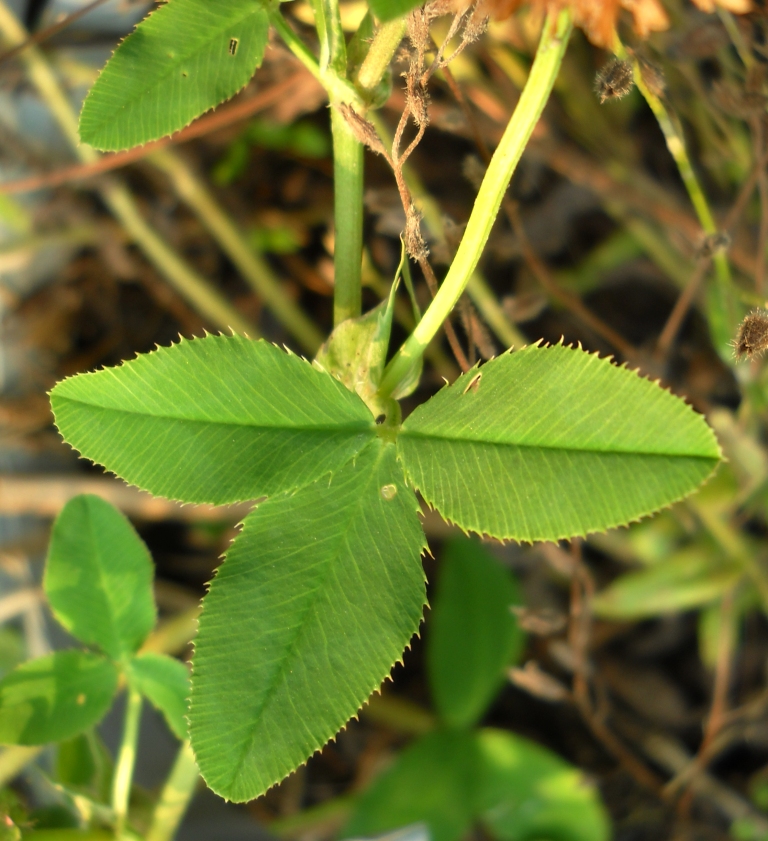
pixel 712 244
pixel 614 79
pixel 363 130
pixel 414 241
pixel 752 338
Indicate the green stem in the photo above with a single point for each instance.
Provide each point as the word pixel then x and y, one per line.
pixel 721 309
pixel 348 219
pixel 126 758
pixel 252 267
pixel 386 40
pixel 338 89
pixel 175 796
pixel 554 40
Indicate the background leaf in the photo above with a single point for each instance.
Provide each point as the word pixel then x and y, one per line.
pixel 473 636
pixel 526 792
pixel 432 781
pixel 165 682
pixel 98 577
pixel 317 598
pixel 390 9
pixel 55 697
pixel 220 419
pixel 551 442
pixel 175 66
pixel 689 578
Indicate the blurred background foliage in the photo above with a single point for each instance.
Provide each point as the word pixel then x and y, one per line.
pixel 645 655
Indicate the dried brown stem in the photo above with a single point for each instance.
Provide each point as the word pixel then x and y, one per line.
pixel 579 633
pixel 758 131
pixel 50 31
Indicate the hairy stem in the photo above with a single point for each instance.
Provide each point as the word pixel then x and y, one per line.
pixel 386 40
pixel 126 758
pixel 554 40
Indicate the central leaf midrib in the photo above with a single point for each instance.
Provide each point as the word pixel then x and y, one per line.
pixel 351 426
pixel 292 646
pixel 453 439
pixel 192 54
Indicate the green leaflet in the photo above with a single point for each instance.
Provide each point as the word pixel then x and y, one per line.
pixel 316 600
pixel 98 577
pixel 217 420
pixel 184 58
pixel 689 578
pixel 55 697
pixel 525 791
pixel 390 9
pixel 432 781
pixel 473 635
pixel 452 780
pixel 165 682
pixel 551 442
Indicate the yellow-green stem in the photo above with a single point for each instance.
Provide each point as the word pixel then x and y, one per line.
pixel 554 39
pixel 175 796
pixel 721 308
pixel 126 759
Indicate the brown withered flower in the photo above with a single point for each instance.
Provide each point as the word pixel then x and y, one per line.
pixel 598 18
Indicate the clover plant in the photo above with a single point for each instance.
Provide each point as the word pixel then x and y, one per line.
pixel 323 588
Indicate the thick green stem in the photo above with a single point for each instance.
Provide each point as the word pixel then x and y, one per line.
pixel 557 30
pixel 348 218
pixel 175 796
pixel 126 758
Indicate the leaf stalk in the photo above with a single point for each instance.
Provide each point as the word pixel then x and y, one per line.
pixel 126 759
pixel 554 40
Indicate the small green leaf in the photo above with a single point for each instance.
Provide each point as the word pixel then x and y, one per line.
pixel 55 697
pixel 525 792
pixel 316 600
pixel 690 578
pixel 165 682
pixel 98 577
pixel 184 58
pixel 386 10
pixel 432 781
pixel 473 635
pixel 551 442
pixel 220 419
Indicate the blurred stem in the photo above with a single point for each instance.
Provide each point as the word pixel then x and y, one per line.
pixel 554 40
pixel 257 273
pixel 126 759
pixel 194 288
pixel 721 309
pixel 13 759
pixel 175 796
pixel 348 219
